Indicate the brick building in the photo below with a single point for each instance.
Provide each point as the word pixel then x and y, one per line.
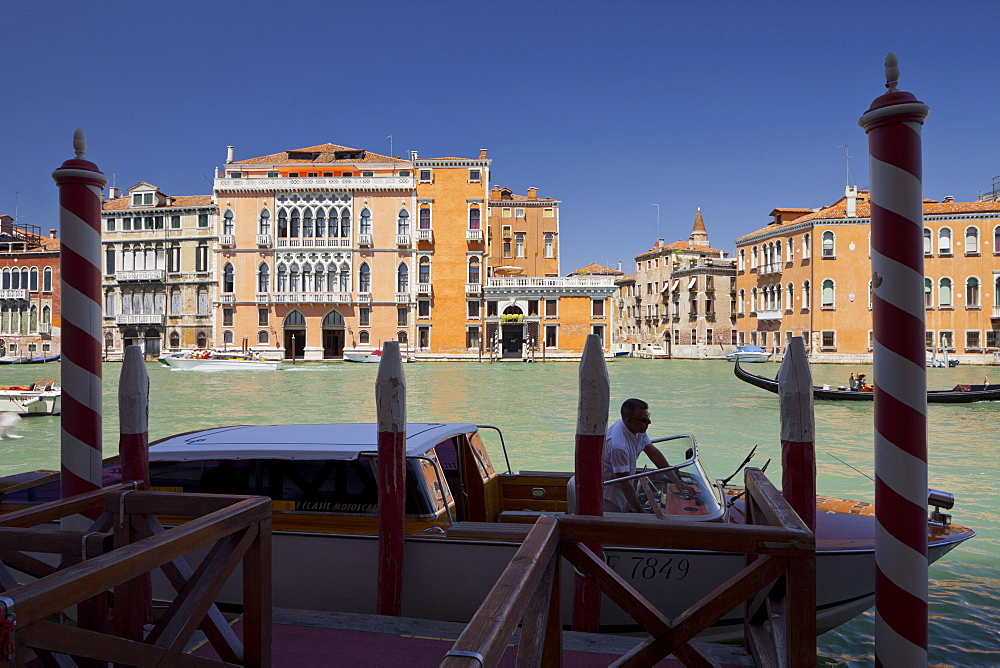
pixel 29 292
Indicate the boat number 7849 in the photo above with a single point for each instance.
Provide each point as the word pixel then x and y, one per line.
pixel 648 568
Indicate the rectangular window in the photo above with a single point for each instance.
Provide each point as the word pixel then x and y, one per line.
pixel 424 338
pixel 599 330
pixel 548 212
pixel 227 317
pixel 126 223
pixel 148 222
pixel 947 340
pixel 109 224
pixel 109 262
pixel 551 308
pixel 273 175
pixel 519 244
pixel 475 176
pixel 109 303
pixel 202 220
pixel 404 172
pixel 312 174
pixel 519 212
pixel 262 316
pixel 364 316
pixel 424 308
pixel 741 339
pixel 202 303
pixel 293 175
pixel 236 175
pixel 550 336
pixel 201 258
pixel 175 222
pixel 532 307
pixel 505 212
pixel 402 316
pixel 597 308
pixel 137 199
pixel 993 338
pixel 367 173
pixel 472 309
pixel 472 337
pixel 828 340
pixel 175 302
pixel 549 246
pixel 491 309
pixel 327 175
pixel 425 176
pixel 928 339
pixel 506 249
pixel 972 341
pixel 147 199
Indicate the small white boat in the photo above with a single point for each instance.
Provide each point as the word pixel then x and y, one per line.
pixel 653 351
pixel 324 511
pixel 41 398
pixel 219 360
pixel 370 356
pixel 749 354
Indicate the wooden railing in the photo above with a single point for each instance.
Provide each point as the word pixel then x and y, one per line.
pixel 103 572
pixel 777 587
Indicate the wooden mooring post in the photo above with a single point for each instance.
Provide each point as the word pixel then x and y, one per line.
pixel 390 407
pixel 798 432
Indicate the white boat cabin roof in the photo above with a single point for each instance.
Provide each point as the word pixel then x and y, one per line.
pixel 297 441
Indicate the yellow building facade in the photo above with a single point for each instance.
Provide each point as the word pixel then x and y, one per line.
pixel 328 249
pixel 808 273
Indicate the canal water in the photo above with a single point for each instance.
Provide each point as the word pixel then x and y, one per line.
pixel 535 406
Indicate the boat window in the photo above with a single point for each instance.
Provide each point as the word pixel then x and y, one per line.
pixel 301 485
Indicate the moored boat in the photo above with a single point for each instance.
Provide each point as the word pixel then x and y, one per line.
pixel 749 354
pixel 40 398
pixel 219 360
pixel 960 394
pixel 16 359
pixel 370 356
pixel 653 351
pixel 462 516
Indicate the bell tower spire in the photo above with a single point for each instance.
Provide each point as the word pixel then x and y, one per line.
pixel 699 235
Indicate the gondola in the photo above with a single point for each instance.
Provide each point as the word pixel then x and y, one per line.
pixel 960 394
pixel 12 359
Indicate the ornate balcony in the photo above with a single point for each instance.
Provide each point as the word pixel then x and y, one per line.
pixel 425 235
pixel 996 312
pixel 45 328
pixel 263 298
pixel 403 240
pixel 364 298
pixel 322 183
pixel 264 240
pixel 227 240
pixel 473 235
pixel 424 289
pixel 139 319
pixel 15 293
pixel 139 275
pixel 769 314
pixel 227 298
pixel 365 240
pixel 402 297
pixel 473 289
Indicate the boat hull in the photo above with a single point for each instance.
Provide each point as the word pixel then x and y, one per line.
pixel 189 364
pixel 447 579
pixel 29 403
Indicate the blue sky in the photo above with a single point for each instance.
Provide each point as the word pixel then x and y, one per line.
pixel 734 107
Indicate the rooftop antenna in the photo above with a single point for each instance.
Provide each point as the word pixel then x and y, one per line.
pixel 847 159
pixel 657 220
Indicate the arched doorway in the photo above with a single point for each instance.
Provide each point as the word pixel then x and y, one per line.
pixel 151 345
pixel 130 337
pixel 667 340
pixel 512 332
pixel 294 335
pixel 333 336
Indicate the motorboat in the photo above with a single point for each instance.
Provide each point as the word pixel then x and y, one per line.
pixel 20 359
pixel 465 520
pixel 653 351
pixel 219 360
pixel 960 394
pixel 43 397
pixel 749 354
pixel 370 356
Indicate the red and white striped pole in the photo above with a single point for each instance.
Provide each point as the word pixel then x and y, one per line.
pixel 798 432
pixel 893 126
pixel 390 408
pixel 591 428
pixel 80 184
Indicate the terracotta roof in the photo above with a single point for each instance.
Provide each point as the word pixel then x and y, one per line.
pixel 48 243
pixel 325 155
pixel 839 210
pixel 182 202
pixel 594 269
pixel 522 198
pixel 680 245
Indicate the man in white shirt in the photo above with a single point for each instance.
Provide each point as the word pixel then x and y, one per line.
pixel 624 442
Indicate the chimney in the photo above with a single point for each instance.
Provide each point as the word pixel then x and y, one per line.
pixel 482 154
pixel 851 192
pixel 948 199
pixel 112 193
pixel 532 193
pixel 52 233
pixel 413 156
pixel 229 154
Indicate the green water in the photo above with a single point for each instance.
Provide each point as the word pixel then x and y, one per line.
pixel 535 406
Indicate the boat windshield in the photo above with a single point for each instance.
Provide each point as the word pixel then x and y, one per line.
pixel 683 490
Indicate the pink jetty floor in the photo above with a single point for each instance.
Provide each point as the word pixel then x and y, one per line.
pixel 301 639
